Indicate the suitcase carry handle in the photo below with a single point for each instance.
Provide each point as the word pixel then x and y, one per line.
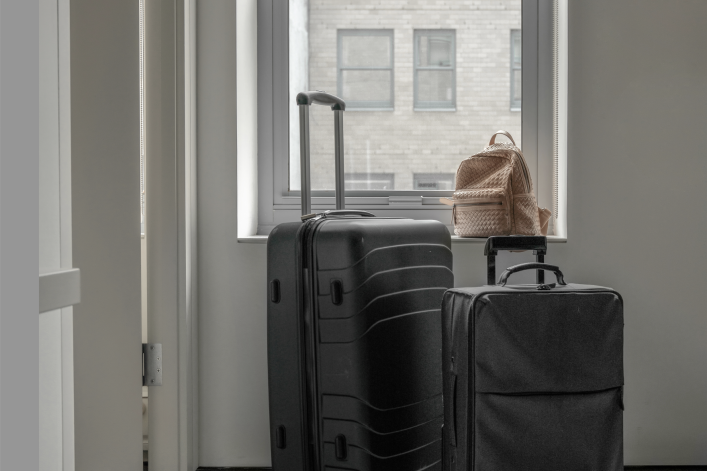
pixel 538 244
pixel 349 212
pixel 531 266
pixel 339 212
pixel 304 100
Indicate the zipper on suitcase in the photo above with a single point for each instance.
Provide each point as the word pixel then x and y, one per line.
pixel 310 350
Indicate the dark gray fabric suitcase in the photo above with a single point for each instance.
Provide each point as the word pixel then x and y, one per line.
pixel 354 334
pixel 533 374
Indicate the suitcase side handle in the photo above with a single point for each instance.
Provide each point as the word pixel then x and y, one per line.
pixel 494 244
pixel 531 266
pixel 304 100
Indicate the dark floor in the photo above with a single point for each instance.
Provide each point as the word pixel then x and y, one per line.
pixel 632 468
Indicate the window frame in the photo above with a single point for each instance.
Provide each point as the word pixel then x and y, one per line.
pixel 276 204
pixel 440 105
pixel 516 105
pixel 352 105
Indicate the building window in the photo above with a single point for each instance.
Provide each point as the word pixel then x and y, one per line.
pixel 369 181
pixel 365 68
pixel 435 74
pixel 516 70
pixel 433 181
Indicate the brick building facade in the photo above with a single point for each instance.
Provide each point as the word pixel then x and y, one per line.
pixel 389 149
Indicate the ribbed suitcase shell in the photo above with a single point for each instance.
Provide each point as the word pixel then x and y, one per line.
pixel 354 343
pixel 533 379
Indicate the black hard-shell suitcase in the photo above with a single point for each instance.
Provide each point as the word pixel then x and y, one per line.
pixel 533 374
pixel 354 333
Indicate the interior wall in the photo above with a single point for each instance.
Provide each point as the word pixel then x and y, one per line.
pixel 636 220
pixel 106 233
pixel 637 101
pixel 233 400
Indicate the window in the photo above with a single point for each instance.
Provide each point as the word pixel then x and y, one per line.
pixel 433 181
pixel 435 78
pixel 365 68
pixel 413 62
pixel 516 70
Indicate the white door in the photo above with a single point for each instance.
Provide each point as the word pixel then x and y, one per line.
pixel 90 178
pixel 105 177
pixel 58 281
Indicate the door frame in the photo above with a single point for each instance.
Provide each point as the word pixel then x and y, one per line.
pixel 170 230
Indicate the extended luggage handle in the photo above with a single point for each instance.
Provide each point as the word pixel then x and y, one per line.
pixel 494 244
pixel 531 266
pixel 318 97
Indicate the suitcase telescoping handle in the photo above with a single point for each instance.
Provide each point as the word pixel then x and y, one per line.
pixel 538 244
pixel 531 266
pixel 304 100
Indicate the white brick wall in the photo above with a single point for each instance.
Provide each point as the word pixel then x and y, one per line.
pixel 405 141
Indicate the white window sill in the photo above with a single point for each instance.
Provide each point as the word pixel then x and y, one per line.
pixel 263 239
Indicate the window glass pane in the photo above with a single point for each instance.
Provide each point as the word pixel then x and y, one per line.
pixel 516 71
pixel 369 181
pixel 473 43
pixel 365 51
pixel 365 85
pixel 517 86
pixel 434 50
pixel 516 48
pixel 433 181
pixel 434 86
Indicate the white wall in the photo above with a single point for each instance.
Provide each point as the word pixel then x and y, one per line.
pixel 106 233
pixel 247 112
pixel 233 401
pixel 636 222
pixel 56 388
pixel 636 215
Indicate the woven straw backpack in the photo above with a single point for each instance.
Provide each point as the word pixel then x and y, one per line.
pixel 494 194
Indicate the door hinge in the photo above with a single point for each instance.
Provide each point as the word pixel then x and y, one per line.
pixel 152 364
